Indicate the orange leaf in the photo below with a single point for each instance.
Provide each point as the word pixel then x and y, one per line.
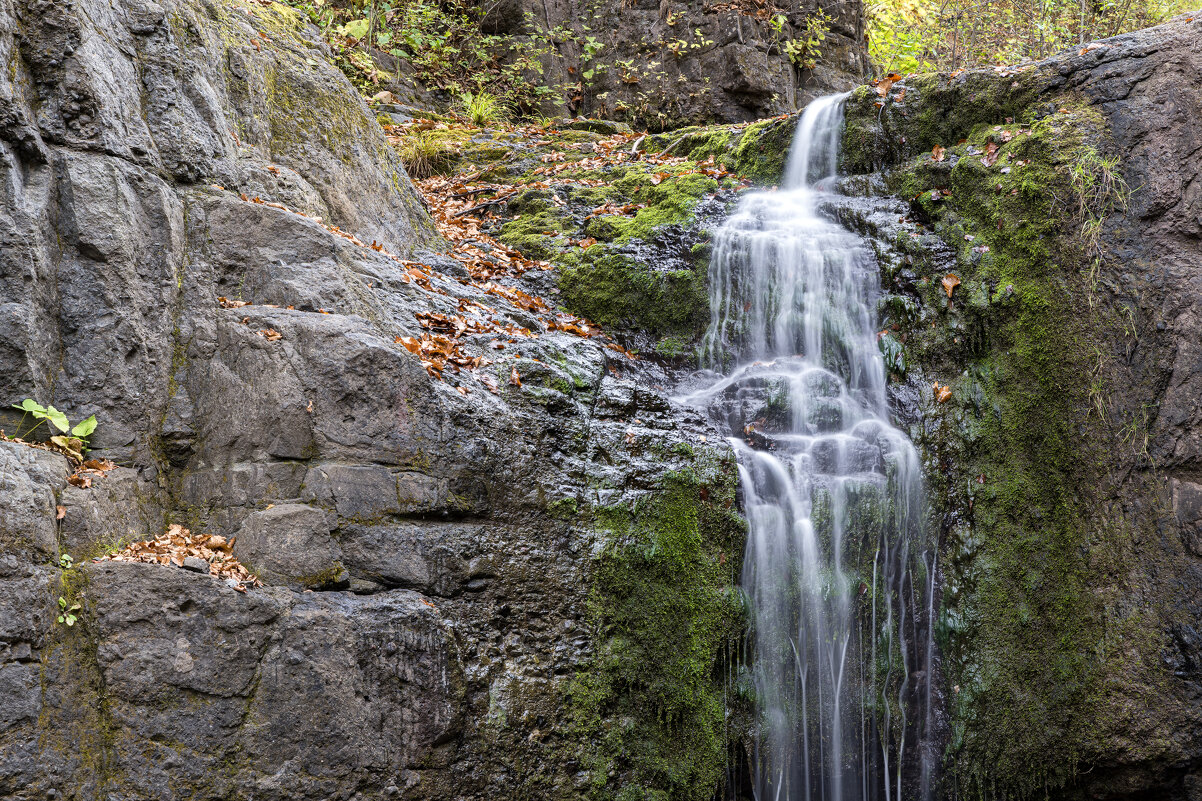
pixel 938 153
pixel 514 378
pixel 950 282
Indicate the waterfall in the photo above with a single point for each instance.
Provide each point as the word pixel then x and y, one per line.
pixel 837 572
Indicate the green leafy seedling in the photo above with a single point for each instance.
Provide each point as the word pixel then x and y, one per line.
pixel 72 441
pixel 66 562
pixel 42 414
pixel 68 615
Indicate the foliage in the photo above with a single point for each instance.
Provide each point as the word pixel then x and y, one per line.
pixel 425 153
pixel 921 35
pixel 806 48
pixel 68 611
pixel 1098 189
pixel 484 108
pixel 72 441
pixel 444 44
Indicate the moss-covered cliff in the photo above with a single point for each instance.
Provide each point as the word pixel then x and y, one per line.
pixel 1018 283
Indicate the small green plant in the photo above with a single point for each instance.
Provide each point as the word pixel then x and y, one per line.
pixel 67 611
pixel 424 154
pixel 66 561
pixel 806 49
pixel 483 108
pixel 72 441
pixel 1098 189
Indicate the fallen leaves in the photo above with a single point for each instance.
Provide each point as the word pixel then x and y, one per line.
pixel 938 153
pixel 884 84
pixel 942 392
pixel 82 476
pixel 950 282
pixel 436 351
pixel 178 543
pixel 991 154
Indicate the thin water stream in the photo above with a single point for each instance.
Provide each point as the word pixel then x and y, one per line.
pixel 837 573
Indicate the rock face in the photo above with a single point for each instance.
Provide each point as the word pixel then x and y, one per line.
pixel 665 64
pixel 528 589
pixel 1064 464
pixel 703 62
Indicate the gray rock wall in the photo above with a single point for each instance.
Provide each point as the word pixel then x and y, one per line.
pixel 666 64
pixel 452 535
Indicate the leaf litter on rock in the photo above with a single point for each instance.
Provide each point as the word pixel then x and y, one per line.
pixel 178 543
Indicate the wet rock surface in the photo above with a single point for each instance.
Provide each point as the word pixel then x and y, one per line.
pixel 1048 385
pixel 191 197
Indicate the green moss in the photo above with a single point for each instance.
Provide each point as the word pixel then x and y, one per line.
pixel 936 110
pixel 671 202
pixel 623 293
pixel 332 576
pixel 1024 459
pixel 79 726
pixel 666 611
pixel 763 150
pixel 564 508
pixel 671 347
pixel 535 235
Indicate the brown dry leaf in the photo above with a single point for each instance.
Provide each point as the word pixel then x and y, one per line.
pixel 942 393
pixel 950 282
pixel 270 334
pixel 991 154
pixel 885 84
pixel 226 303
pixel 80 480
pixel 489 382
pixel 938 153
pixel 514 378
pixel 60 512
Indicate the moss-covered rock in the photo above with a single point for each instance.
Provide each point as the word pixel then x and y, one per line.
pixel 1030 463
pixel 669 617
pixel 623 293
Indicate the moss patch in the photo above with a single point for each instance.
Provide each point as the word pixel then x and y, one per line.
pixel 1018 455
pixel 666 612
pixel 622 293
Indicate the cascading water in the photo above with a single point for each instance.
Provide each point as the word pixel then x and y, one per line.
pixel 836 573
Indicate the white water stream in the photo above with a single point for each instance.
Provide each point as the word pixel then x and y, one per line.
pixel 836 571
